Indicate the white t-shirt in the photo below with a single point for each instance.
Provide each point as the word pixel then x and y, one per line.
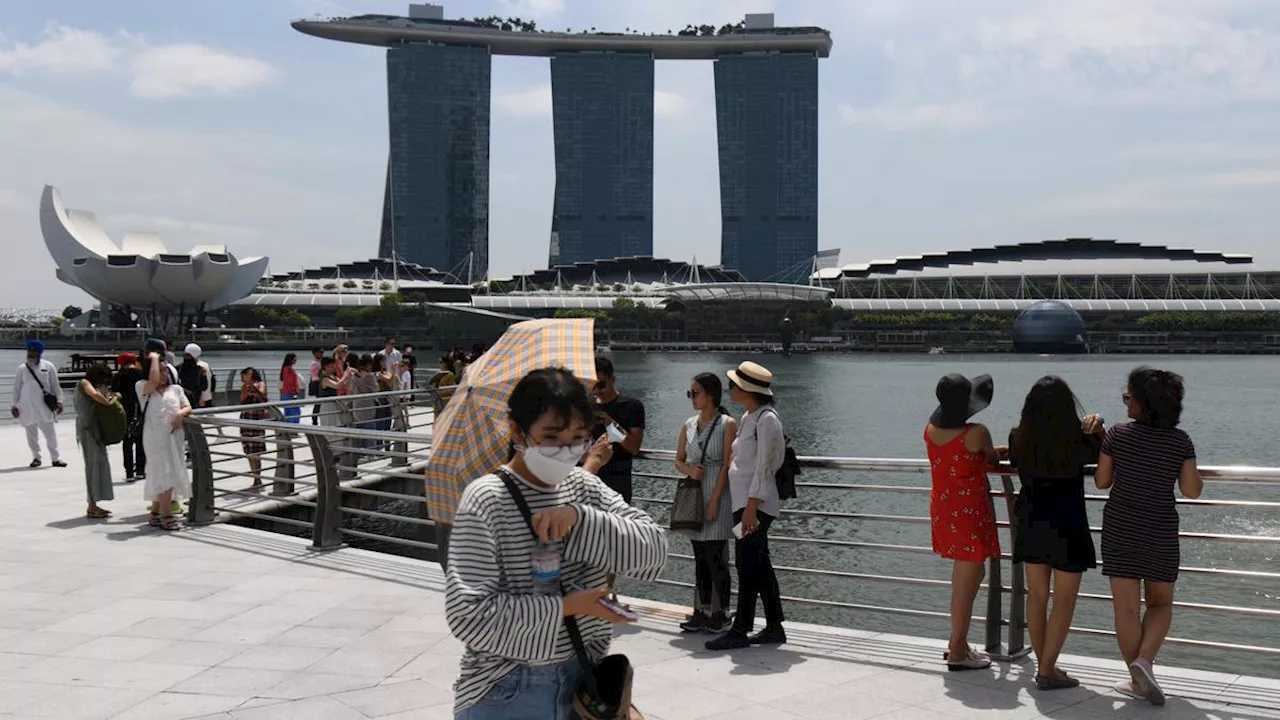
pixel 406 380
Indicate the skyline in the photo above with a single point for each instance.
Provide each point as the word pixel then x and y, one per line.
pixel 940 129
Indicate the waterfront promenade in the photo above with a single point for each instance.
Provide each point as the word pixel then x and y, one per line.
pixel 117 620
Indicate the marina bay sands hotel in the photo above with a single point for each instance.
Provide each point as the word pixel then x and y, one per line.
pixel 436 207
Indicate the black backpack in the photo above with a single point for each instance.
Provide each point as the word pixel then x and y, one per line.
pixel 786 475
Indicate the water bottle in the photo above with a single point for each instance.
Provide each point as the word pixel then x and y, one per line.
pixel 546 568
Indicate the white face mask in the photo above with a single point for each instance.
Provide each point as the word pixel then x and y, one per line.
pixel 552 465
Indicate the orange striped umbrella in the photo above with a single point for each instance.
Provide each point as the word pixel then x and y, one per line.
pixel 469 438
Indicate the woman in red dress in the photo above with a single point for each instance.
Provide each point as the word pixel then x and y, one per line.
pixel 963 522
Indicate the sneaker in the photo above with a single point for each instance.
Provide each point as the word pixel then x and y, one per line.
pixel 35 463
pixel 140 476
pixel 130 478
pixel 1058 681
pixel 973 660
pixel 1144 681
pixel 58 463
pixel 697 622
pixel 769 636
pixel 732 640
pixel 719 623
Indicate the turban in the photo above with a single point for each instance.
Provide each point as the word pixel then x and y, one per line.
pixel 125 359
pixel 36 345
pixel 193 350
pixel 155 345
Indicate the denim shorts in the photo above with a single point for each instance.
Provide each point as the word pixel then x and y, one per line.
pixel 530 692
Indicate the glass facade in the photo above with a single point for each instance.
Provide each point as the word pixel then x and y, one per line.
pixel 603 122
pixel 437 196
pixel 767 128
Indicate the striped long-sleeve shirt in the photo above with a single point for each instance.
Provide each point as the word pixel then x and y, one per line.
pixel 489 598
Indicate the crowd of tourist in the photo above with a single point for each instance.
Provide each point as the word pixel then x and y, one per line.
pixel 556 520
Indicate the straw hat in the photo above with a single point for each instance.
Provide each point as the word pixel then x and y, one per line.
pixel 752 377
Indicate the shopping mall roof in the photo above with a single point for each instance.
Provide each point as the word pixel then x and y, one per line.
pixel 748 291
pixel 1067 249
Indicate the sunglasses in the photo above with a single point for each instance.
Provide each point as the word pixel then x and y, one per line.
pixel 691 394
pixel 1126 397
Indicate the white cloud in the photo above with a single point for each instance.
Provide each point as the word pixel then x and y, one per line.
pixel 534 9
pixel 161 71
pixel 63 50
pixel 906 118
pixel 133 222
pixel 536 102
pixel 1201 151
pixel 185 70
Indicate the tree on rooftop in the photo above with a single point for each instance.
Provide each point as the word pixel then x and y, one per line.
pixel 71 312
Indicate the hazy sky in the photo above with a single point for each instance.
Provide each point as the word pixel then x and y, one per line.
pixel 944 124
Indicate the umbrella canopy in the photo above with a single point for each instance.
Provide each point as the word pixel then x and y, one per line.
pixel 469 438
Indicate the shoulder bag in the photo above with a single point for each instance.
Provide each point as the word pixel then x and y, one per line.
pixel 50 400
pixel 688 507
pixel 604 689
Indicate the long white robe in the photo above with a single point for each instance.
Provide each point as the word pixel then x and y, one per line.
pixel 29 398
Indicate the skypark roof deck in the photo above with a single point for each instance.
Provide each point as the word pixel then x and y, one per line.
pixel 388 30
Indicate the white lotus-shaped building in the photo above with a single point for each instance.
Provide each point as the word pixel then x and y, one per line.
pixel 140 272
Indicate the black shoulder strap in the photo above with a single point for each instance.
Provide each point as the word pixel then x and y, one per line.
pixel 37 377
pixel 707 440
pixel 570 622
pixel 755 429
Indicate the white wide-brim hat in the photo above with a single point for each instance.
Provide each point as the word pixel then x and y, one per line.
pixel 752 377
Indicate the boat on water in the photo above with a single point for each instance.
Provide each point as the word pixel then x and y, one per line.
pixel 80 363
pixel 937 350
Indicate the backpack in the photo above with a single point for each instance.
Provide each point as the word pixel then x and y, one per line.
pixel 785 477
pixel 112 422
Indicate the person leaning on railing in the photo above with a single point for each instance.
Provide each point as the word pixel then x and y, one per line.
pixel 1050 447
pixel 963 523
pixel 1141 462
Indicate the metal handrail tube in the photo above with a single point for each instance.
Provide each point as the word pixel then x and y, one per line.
pixel 312 400
pixel 272 518
pixel 391 539
pixel 387 495
pixel 389 516
pixel 392 474
pixel 336 431
pixel 1208 607
pixel 921 467
pixel 1187 641
pixel 245 493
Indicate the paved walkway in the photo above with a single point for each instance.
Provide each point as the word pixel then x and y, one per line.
pixel 115 620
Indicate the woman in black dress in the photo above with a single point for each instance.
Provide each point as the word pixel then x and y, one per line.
pixel 1141 462
pixel 1050 447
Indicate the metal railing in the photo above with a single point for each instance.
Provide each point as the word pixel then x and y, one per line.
pixel 346 469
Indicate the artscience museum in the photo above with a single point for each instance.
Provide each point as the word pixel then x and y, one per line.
pixel 139 275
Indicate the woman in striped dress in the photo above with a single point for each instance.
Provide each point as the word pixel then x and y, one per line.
pixel 519 661
pixel 1141 462
pixel 702 453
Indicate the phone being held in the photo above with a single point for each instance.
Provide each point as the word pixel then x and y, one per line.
pixel 613 606
pixel 615 433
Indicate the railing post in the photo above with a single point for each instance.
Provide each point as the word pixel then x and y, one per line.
pixel 284 473
pixel 326 533
pixel 1018 581
pixel 400 423
pixel 200 511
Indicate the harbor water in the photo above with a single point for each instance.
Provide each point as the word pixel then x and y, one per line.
pixel 877 406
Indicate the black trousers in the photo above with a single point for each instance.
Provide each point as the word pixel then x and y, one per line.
pixel 135 458
pixel 313 390
pixel 711 568
pixel 756 577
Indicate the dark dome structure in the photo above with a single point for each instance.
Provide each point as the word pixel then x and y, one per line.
pixel 1050 326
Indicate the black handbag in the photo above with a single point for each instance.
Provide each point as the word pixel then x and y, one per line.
pixel 688 507
pixel 50 400
pixel 134 431
pixel 604 689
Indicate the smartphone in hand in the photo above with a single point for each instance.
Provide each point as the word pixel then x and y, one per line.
pixel 619 609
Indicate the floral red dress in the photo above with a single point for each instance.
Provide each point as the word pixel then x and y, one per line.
pixel 964 525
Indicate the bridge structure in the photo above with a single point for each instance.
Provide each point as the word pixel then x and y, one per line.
pixel 343 615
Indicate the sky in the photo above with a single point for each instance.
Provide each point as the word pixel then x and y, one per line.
pixel 944 124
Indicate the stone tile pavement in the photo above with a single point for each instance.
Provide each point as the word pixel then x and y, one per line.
pixel 115 620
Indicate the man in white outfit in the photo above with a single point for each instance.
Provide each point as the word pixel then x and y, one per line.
pixel 35 378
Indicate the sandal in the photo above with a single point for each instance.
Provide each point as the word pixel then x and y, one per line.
pixel 155 519
pixel 98 514
pixel 169 524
